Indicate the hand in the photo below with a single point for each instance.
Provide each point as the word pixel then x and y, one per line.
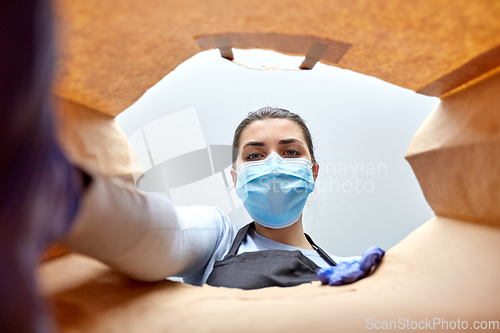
pixel 351 271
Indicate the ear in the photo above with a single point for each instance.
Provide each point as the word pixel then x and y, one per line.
pixel 315 170
pixel 234 176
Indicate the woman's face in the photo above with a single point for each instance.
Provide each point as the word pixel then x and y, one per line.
pixel 263 137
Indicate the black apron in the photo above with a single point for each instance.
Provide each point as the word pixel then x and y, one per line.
pixel 254 270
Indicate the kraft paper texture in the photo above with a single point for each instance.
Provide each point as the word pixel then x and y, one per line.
pixel 111 52
pixel 444 269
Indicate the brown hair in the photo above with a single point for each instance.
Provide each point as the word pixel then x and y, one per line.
pixel 271 113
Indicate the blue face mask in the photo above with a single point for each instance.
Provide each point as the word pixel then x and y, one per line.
pixel 274 190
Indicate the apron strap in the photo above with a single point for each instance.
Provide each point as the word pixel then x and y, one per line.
pixel 243 231
pixel 322 253
pixel 238 239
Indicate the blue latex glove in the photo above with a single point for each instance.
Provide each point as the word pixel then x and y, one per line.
pixel 350 271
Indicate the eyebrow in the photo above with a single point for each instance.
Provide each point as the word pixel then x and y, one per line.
pixel 290 140
pixel 262 144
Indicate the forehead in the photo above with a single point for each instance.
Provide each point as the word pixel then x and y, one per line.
pixel 271 130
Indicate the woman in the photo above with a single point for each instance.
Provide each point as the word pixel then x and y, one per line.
pixel 274 170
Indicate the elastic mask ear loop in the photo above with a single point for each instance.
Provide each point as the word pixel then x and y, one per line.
pixel 229 180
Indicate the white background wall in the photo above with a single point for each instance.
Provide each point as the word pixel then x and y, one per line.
pixel 361 127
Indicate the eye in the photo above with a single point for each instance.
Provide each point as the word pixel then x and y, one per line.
pixel 253 156
pixel 291 152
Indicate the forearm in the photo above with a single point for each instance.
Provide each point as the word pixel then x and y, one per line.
pixel 140 233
